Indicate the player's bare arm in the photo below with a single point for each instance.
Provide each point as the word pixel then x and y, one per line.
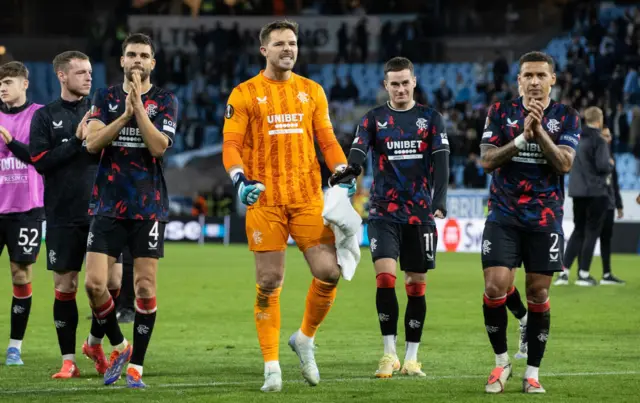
pixel 492 157
pixel 100 135
pixel 560 157
pixel 157 143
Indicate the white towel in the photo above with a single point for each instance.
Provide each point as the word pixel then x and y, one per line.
pixel 344 221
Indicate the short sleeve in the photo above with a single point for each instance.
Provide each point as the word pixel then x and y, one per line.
pixel 571 130
pixel 321 119
pixel 98 106
pixel 236 114
pixel 167 120
pixel 492 133
pixel 439 139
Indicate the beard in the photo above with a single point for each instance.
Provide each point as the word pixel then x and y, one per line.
pixel 144 74
pixel 79 92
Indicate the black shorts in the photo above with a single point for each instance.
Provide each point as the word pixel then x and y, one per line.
pixel 415 245
pixel 67 247
pixel 22 239
pixel 145 238
pixel 505 246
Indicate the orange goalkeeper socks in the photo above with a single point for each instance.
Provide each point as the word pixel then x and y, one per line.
pixel 319 301
pixel 267 316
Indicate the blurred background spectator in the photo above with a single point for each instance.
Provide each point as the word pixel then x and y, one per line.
pixel 465 53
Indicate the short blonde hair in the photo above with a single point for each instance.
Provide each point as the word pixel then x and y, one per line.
pixel 593 114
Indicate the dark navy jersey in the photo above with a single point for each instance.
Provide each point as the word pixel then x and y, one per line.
pixel 130 182
pixel 527 192
pixel 402 143
pixel 62 159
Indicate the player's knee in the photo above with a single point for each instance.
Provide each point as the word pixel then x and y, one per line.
pixel 269 280
pixel 328 275
pixel 145 287
pixel 94 288
pixel 495 289
pixel 537 294
pixel 19 277
pixel 415 278
pixel 67 282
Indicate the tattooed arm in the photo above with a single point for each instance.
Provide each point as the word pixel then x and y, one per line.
pixel 559 156
pixel 492 157
pixel 493 154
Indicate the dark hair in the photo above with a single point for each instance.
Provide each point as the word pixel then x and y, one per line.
pixel 266 31
pixel 398 64
pixel 536 56
pixel 14 69
pixel 138 38
pixel 61 61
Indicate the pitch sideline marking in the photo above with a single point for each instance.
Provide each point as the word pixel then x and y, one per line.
pixel 258 382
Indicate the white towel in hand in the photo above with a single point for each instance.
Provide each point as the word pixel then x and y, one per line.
pixel 344 221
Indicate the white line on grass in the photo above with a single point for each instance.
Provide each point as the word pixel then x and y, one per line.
pixel 258 382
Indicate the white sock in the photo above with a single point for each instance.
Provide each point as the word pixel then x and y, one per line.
pixel 120 347
pixel 583 274
pixel 93 340
pixel 272 366
pixel 523 320
pixel 136 367
pixel 412 351
pixel 502 359
pixel 16 344
pixel 304 338
pixel 389 344
pixel 531 372
pixel 71 357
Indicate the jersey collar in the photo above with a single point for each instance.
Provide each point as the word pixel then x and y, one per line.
pixel 16 110
pixel 546 108
pixel 401 110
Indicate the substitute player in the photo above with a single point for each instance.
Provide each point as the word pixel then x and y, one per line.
pixel 57 152
pixel 21 198
pixel 268 150
pixel 132 125
pixel 529 144
pixel 411 159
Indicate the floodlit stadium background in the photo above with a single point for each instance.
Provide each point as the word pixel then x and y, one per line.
pixel 465 53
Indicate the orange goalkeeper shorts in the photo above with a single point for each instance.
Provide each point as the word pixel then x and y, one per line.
pixel 269 227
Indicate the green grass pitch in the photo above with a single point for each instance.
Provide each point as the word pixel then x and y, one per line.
pixel 204 346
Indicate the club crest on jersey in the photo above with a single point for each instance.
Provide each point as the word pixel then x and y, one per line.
pixel 553 126
pixel 303 97
pixel 422 123
pixel 151 107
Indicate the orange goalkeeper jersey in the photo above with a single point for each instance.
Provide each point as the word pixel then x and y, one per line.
pixel 269 132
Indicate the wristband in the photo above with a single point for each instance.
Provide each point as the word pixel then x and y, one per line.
pixel 520 142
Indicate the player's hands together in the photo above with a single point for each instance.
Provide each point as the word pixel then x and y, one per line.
pixel 537 112
pixel 128 105
pixel 136 86
pixel 6 136
pixel 345 177
pixel 248 191
pixel 82 130
pixel 438 214
pixel 528 128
